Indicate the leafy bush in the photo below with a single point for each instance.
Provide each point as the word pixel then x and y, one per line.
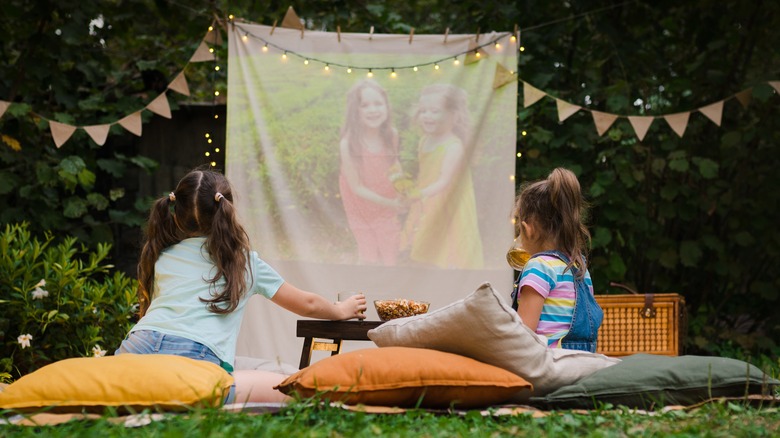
pixel 59 300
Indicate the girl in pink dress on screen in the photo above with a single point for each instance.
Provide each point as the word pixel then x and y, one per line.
pixel 369 155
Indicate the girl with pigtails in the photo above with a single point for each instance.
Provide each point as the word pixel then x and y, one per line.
pixel 196 273
pixel 553 294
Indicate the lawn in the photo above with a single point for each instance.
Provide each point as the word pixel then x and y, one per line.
pixel 719 419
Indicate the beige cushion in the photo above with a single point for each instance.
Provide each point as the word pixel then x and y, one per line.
pixel 405 377
pixel 483 327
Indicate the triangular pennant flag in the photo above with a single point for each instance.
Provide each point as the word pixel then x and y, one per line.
pixel 475 54
pixel 713 112
pixel 603 121
pixel 744 97
pixel 291 19
pixel 641 124
pixel 214 36
pixel 502 76
pixel 132 123
pixel 160 106
pixel 4 106
pixel 179 85
pixel 678 122
pixel 565 109
pixel 98 133
pixel 531 95
pixel 774 84
pixel 202 54
pixel 60 132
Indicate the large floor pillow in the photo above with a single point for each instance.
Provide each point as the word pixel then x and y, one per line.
pixel 647 381
pixel 405 377
pixel 483 327
pixel 126 383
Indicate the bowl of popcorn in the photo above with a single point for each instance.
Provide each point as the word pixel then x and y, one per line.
pixel 399 308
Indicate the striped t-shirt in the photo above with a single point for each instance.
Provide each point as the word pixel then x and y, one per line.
pixel 545 275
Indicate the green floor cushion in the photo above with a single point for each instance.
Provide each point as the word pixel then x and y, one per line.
pixel 648 381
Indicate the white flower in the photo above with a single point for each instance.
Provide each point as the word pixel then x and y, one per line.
pixel 24 340
pixel 97 351
pixel 41 283
pixel 39 293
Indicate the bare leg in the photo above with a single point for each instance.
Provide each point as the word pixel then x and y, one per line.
pixel 256 386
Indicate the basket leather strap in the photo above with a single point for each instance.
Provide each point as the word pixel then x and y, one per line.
pixel 649 310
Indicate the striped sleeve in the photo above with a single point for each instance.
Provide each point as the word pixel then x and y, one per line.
pixel 539 275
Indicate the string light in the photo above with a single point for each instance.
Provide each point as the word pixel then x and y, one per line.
pixel 208 154
pixel 522 49
pixel 305 62
pixel 513 38
pixel 327 67
pixel 477 53
pixel 216 116
pixel 208 135
pixel 216 92
pixel 216 68
pixel 209 141
pixel 349 69
pixel 498 46
pixel 524 133
pixel 435 66
pixel 284 55
pixel 230 17
pixel 216 150
pixel 370 74
pixel 211 50
pixel 519 155
pixel 456 61
pixel 245 38
pixel 211 28
pixel 415 68
pixel 265 47
pixel 213 164
pixel 393 73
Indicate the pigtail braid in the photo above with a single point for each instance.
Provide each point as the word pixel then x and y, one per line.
pixel 161 232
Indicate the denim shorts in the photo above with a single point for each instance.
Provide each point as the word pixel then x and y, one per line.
pixel 153 342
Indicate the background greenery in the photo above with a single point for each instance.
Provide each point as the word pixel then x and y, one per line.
pixel 695 215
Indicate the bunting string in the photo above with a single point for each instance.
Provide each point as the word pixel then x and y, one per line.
pixel 476 52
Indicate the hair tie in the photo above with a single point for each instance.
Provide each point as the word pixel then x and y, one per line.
pixel 218 196
pixel 172 197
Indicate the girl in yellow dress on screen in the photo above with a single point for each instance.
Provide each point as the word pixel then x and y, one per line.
pixel 442 228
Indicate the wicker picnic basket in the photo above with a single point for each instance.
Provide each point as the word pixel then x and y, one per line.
pixel 641 323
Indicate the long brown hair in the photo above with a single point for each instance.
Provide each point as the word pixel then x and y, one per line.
pixel 194 209
pixel 353 127
pixel 557 206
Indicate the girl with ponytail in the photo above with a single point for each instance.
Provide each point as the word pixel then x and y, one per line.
pixel 553 293
pixel 196 273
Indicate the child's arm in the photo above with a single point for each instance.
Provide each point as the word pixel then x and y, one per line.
pixel 453 161
pixel 311 305
pixel 353 179
pixel 529 306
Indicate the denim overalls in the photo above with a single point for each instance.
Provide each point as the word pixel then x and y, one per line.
pixel 587 316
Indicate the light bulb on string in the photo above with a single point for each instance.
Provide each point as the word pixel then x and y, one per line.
pixel 415 68
pixel 216 150
pixel 208 154
pixel 327 67
pixel 211 50
pixel 213 164
pixel 211 28
pixel 216 116
pixel 265 47
pixel 209 141
pixel 349 69
pixel 436 66
pixel 456 61
pixel 230 17
pixel 216 93
pixel 284 55
pixel 393 74
pixel 245 38
pixel 370 74
pixel 208 135
pixel 216 68
pixel 524 133
pixel 522 48
pixel 498 46
pixel 513 38
pixel 477 53
pixel 305 62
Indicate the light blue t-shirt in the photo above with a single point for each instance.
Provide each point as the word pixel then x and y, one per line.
pixel 180 279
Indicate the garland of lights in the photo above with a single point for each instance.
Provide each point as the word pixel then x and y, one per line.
pixel 475 50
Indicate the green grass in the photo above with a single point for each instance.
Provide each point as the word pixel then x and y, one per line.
pixel 723 419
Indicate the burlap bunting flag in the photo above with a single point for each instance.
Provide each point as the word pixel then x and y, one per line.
pixel 678 122
pixel 132 123
pixel 603 121
pixel 713 112
pixel 502 76
pixel 4 106
pixel 640 124
pixel 60 132
pixel 291 19
pixel 775 85
pixel 744 97
pixel 565 109
pixel 160 106
pixel 531 95
pixel 179 85
pixel 98 133
pixel 474 54
pixel 202 54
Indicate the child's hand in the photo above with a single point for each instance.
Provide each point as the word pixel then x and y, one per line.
pixel 353 307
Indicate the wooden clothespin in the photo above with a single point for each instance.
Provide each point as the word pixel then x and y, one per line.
pixel 411 35
pixel 273 28
pixel 476 39
pixel 338 32
pixel 446 33
pixel 371 33
pixel 302 27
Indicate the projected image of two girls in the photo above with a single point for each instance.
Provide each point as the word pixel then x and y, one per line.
pixel 429 219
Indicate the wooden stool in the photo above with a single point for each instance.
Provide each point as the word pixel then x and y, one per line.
pixel 335 331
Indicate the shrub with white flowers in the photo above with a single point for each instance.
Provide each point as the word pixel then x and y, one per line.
pixel 59 300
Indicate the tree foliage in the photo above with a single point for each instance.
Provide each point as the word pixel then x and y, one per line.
pixel 695 215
